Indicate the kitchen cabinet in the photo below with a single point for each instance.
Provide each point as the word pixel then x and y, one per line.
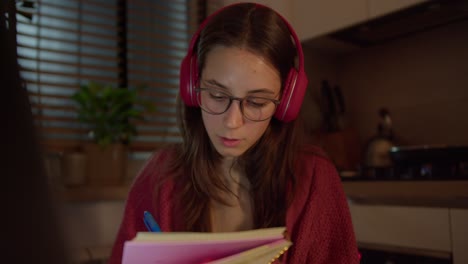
pixel 379 8
pixel 313 18
pixel 424 229
pixel 440 232
pixel 459 225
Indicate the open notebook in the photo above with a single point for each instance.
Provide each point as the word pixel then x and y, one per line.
pixel 253 246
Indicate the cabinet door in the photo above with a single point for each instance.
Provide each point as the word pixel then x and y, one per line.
pixel 312 18
pixel 400 226
pixel 383 7
pixel 459 223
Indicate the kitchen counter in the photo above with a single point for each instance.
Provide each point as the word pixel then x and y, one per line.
pixel 452 194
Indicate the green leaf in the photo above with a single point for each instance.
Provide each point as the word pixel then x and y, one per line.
pixel 109 111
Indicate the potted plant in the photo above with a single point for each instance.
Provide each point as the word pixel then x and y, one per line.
pixel 109 113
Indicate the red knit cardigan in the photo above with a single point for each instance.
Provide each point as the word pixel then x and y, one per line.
pixel 318 219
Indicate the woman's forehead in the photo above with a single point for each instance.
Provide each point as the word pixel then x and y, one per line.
pixel 234 68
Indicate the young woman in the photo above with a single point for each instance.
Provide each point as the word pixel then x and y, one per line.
pixel 242 164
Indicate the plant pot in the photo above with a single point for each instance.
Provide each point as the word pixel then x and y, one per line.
pixel 106 165
pixel 74 169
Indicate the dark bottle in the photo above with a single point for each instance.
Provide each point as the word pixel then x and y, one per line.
pixel 377 152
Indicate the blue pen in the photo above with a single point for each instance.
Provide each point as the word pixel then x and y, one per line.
pixel 150 223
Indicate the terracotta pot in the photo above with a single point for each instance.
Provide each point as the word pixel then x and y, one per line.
pixel 106 165
pixel 74 169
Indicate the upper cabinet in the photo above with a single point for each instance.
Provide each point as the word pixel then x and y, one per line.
pixel 379 8
pixel 312 18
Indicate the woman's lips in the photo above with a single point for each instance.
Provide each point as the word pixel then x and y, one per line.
pixel 229 142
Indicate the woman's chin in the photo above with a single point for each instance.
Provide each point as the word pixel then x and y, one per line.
pixel 230 152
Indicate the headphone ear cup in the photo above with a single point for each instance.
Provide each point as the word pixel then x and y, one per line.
pixel 188 80
pixel 293 95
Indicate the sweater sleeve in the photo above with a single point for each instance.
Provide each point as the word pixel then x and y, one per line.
pixel 320 220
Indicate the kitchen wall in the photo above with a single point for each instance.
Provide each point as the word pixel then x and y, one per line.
pixel 92 224
pixel 422 79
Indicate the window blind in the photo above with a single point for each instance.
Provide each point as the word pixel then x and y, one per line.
pixel 61 45
pixel 158 33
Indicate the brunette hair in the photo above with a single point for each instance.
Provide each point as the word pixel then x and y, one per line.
pixel 269 163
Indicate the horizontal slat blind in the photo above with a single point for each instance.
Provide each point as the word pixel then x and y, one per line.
pixel 65 44
pixel 158 33
pixel 69 43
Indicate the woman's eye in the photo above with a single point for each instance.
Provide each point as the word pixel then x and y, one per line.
pixel 256 102
pixel 218 96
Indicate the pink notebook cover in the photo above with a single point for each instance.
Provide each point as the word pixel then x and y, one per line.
pixel 185 251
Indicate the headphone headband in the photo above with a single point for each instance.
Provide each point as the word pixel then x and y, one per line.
pixel 297 42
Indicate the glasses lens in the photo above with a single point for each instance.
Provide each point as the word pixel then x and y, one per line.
pixel 258 109
pixel 213 101
pixel 254 108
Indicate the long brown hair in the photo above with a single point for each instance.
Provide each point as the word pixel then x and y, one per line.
pixel 269 163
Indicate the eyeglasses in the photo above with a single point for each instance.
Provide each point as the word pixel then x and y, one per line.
pixel 216 102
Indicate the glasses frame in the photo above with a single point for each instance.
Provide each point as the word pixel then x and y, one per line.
pixel 233 98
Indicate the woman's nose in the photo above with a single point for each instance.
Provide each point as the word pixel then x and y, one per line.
pixel 233 117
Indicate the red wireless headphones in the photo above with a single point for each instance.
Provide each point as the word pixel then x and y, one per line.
pixel 293 92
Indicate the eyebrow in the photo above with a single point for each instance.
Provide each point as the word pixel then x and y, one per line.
pixel 222 86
